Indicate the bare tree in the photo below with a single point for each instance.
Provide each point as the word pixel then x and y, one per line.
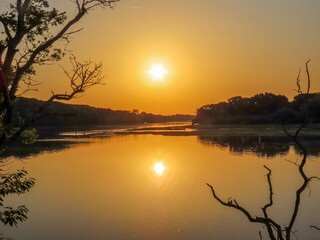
pixel 276 230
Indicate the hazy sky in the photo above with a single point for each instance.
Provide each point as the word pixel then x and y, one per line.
pixel 212 49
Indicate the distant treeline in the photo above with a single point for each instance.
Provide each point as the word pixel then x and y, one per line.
pixel 263 108
pixel 61 114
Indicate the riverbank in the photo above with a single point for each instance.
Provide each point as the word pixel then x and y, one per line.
pixel 180 129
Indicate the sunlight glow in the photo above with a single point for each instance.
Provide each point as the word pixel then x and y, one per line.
pixel 157 73
pixel 159 168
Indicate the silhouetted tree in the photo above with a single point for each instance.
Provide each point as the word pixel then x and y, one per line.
pixel 30 38
pixel 275 229
pixel 31 30
pixel 241 110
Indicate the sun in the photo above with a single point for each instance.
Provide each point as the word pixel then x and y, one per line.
pixel 157 73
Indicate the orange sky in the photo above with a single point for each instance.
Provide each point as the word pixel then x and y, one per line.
pixel 213 50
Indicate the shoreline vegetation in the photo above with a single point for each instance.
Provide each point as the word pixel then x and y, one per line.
pixel 263 108
pixel 261 115
pixel 59 114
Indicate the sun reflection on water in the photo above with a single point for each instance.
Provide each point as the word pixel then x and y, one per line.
pixel 159 168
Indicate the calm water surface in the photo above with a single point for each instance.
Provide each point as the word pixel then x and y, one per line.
pixel 154 187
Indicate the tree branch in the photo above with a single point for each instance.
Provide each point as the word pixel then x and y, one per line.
pixel 315 227
pixel 6 28
pixel 85 75
pixel 235 205
pixel 308 75
pixel 41 48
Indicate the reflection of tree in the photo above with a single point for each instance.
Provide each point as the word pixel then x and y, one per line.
pixel 276 230
pixel 261 146
pixel 20 151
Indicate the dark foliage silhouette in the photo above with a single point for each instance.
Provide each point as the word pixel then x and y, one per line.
pixel 83 115
pixel 264 108
pixel 30 41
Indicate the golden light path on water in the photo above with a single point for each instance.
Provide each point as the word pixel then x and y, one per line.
pixel 154 187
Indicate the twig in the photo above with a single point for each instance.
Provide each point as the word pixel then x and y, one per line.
pixel 314 227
